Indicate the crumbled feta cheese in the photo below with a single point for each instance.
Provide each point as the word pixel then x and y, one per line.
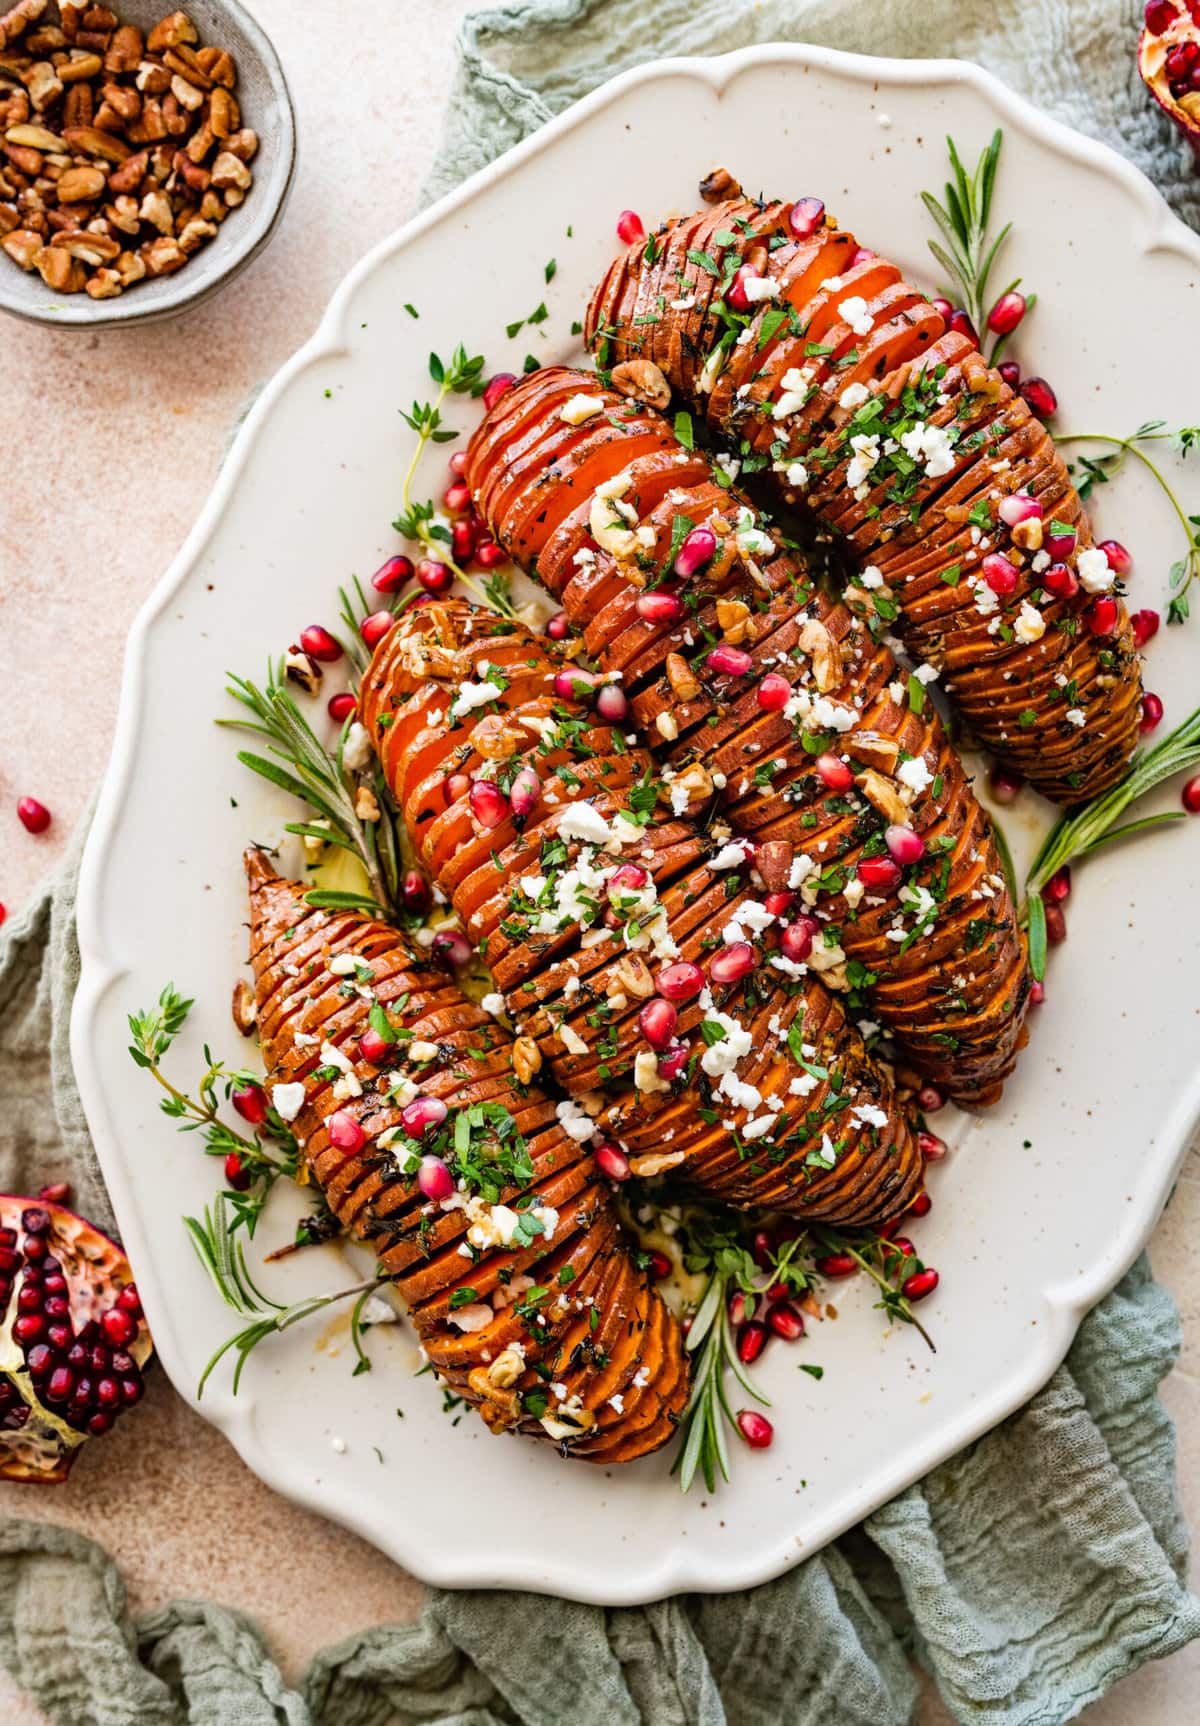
pixel 728 857
pixel 571 1041
pixel 758 288
pixel 854 311
pixel 797 474
pixel 1075 716
pixel 582 821
pixel 287 1100
pixel 871 577
pixel 915 775
pixel 1095 573
pixel 865 455
pixel 710 371
pixel 471 1318
pixel 493 1003
pixel 724 1056
pixel 573 1120
pixel 1030 625
pixel 645 1072
pixel 357 751
pixel 472 695
pixel 927 674
pixel 930 445
pixel 853 396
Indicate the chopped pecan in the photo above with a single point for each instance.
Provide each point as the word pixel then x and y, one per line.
pixel 640 379
pixel 169 32
pixel 718 186
pixel 773 860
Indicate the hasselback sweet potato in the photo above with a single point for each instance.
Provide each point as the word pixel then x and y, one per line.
pixel 839 380
pixel 520 1284
pixel 813 744
pixel 592 902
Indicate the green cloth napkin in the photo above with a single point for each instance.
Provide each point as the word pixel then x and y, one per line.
pixel 1028 1574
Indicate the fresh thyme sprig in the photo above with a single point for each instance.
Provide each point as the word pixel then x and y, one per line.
pixel 264 1156
pixel 882 1262
pixel 968 255
pixel 418 518
pixel 303 766
pixel 1077 833
pixel 1099 470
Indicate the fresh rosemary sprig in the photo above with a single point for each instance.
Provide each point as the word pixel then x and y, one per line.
pixel 264 1157
pixel 710 1342
pixel 968 255
pixel 303 766
pixel 1077 833
pixel 1099 470
pixel 418 518
pixel 246 1340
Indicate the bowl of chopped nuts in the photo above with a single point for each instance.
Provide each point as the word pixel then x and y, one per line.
pixel 145 156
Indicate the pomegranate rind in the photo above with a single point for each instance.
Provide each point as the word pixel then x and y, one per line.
pixel 43 1451
pixel 1152 67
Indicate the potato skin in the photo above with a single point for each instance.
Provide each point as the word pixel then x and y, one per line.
pixel 955 998
pixel 1062 709
pixel 845 1152
pixel 630 1350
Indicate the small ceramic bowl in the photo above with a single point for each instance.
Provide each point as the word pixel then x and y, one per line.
pixel 266 106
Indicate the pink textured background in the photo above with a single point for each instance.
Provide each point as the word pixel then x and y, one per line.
pixel 112 441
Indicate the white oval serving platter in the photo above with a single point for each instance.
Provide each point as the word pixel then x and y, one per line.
pixel 1045 1201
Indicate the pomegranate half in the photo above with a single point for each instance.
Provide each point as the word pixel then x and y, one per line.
pixel 1169 62
pixel 73 1342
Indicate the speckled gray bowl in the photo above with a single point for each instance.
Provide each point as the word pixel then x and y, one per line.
pixel 266 105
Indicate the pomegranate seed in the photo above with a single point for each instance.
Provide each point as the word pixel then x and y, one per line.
pixel 862 255
pixel 39 1360
pixel 456 499
pixel 237 1174
pixel 34 816
pixel 612 704
pixel 57 1193
pixel 29 1328
pixel 1039 398
pixel 742 1307
pixel 901 1246
pixel 489 555
pixel 774 692
pixel 629 878
pixel 1037 994
pixel 805 217
pixel 1004 784
pixel 488 803
pixel 574 685
pixel 697 549
pixel 496 387
pixel 3 914
pixel 1160 15
pixel 961 325
pixel 415 893
pixel 130 1301
pixel 1019 507
pixel 942 307
pixel 451 949
pixel 920 1284
pixel 931 1147
pixel 132 1390
pixel 904 845
pixel 391 576
pixel 35 1222
pixel 612 1162
pixel 1006 314
pixel 434 575
pixel 659 607
pixel 422 1115
pixel 1101 615
pixel 251 1104
pixel 732 963
pixel 374 628
pixel 558 628
pixel 462 541
pixel 1056 924
pixel 1190 795
pixel 999 574
pixel 751 1340
pixel 108 1392
pixel 878 874
pixel 656 1022
pixel 930 1099
pixel 524 793
pixel 119 1327
pixel 458 463
pixel 786 1321
pixel 60 1385
pixel 673 1062
pixel 1060 540
pixel 736 296
pixel 796 941
pixel 834 772
pixel 755 1428
pixel 1145 626
pixel 630 228
pixel 374 1048
pixel 777 1291
pixel 660 1265
pixel 1119 560
pixel 344 1131
pixel 836 1265
pixel 921 1206
pixel 1180 60
pixel 1060 580
pixel 1010 371
pixel 726 661
pixel 679 982
pixel 434 1179
pixel 1058 888
pixel 342 706
pixel 100 1423
pixel 319 644
pixel 779 904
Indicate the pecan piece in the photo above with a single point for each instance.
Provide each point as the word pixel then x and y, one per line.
pixel 643 381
